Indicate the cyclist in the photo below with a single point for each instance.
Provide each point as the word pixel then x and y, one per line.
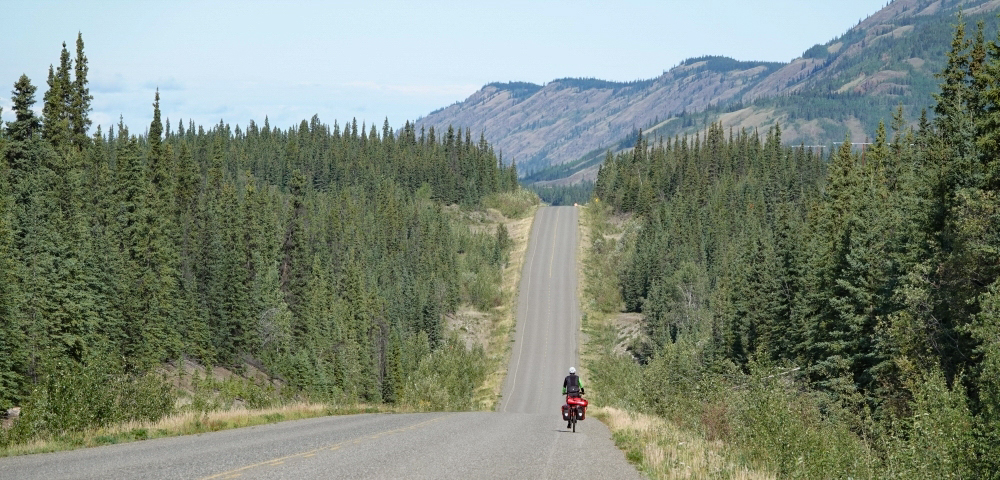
pixel 572 386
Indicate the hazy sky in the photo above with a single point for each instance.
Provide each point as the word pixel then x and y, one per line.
pixel 243 60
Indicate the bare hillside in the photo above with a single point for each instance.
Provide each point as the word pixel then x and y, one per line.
pixel 840 87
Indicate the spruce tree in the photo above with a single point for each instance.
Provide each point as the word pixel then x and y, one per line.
pixel 79 111
pixel 954 121
pixel 55 112
pixel 295 246
pixel 12 343
pixel 25 123
pixel 988 124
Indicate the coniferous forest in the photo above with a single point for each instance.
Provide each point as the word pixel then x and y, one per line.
pixel 325 256
pixel 833 314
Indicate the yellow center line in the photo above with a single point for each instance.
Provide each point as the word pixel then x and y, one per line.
pixel 552 258
pixel 280 460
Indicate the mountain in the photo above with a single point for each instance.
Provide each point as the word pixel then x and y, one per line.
pixel 843 86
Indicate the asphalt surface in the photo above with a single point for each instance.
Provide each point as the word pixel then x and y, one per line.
pixel 526 438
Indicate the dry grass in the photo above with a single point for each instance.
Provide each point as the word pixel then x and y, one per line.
pixel 502 320
pixel 185 424
pixel 662 450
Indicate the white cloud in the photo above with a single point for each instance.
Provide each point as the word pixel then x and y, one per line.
pixel 165 84
pixel 104 84
pixel 417 90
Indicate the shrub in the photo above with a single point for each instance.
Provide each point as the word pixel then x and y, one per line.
pixel 936 440
pixel 73 397
pixel 514 204
pixel 795 434
pixel 447 378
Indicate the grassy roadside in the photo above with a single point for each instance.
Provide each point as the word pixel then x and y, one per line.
pixel 217 399
pixel 503 318
pixel 187 423
pixel 662 450
pixel 656 446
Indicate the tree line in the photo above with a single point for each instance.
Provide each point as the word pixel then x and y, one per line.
pixel 323 255
pixel 873 274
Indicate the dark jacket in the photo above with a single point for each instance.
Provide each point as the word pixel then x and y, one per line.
pixel 572 385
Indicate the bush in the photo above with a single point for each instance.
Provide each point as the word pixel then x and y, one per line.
pixel 514 204
pixel 73 397
pixel 794 434
pixel 480 274
pixel 447 378
pixel 936 440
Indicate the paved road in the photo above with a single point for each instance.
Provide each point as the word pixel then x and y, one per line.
pixel 526 439
pixel 548 316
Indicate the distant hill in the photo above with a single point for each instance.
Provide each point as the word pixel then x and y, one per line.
pixel 843 86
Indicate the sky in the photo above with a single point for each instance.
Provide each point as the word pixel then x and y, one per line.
pixel 238 61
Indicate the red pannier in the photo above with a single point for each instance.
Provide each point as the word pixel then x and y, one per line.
pixel 577 401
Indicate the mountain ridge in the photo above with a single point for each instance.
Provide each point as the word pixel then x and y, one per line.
pixel 839 87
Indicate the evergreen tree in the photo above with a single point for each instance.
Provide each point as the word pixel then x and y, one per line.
pixel 12 343
pixel 988 124
pixel 79 111
pixel 332 267
pixel 56 112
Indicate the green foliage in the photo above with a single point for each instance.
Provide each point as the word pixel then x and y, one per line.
pixel 595 83
pixel 872 273
pixel 73 397
pixel 447 378
pixel 211 394
pixel 935 440
pixel 325 257
pixel 513 204
pixel 816 51
pixel 986 329
pixel 616 379
pixel 602 265
pixel 564 195
pixel 719 64
pixel 795 435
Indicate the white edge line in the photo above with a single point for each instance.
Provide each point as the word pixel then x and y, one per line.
pixel 520 350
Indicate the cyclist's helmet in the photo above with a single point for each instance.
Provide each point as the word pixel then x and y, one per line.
pixel 572 370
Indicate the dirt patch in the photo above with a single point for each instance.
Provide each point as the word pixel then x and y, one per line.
pixel 852 84
pixel 899 32
pixel 7 418
pixel 630 334
pixel 931 9
pixel 182 376
pixel 916 62
pixel 857 130
pixel 986 7
pixel 878 78
pixel 472 327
